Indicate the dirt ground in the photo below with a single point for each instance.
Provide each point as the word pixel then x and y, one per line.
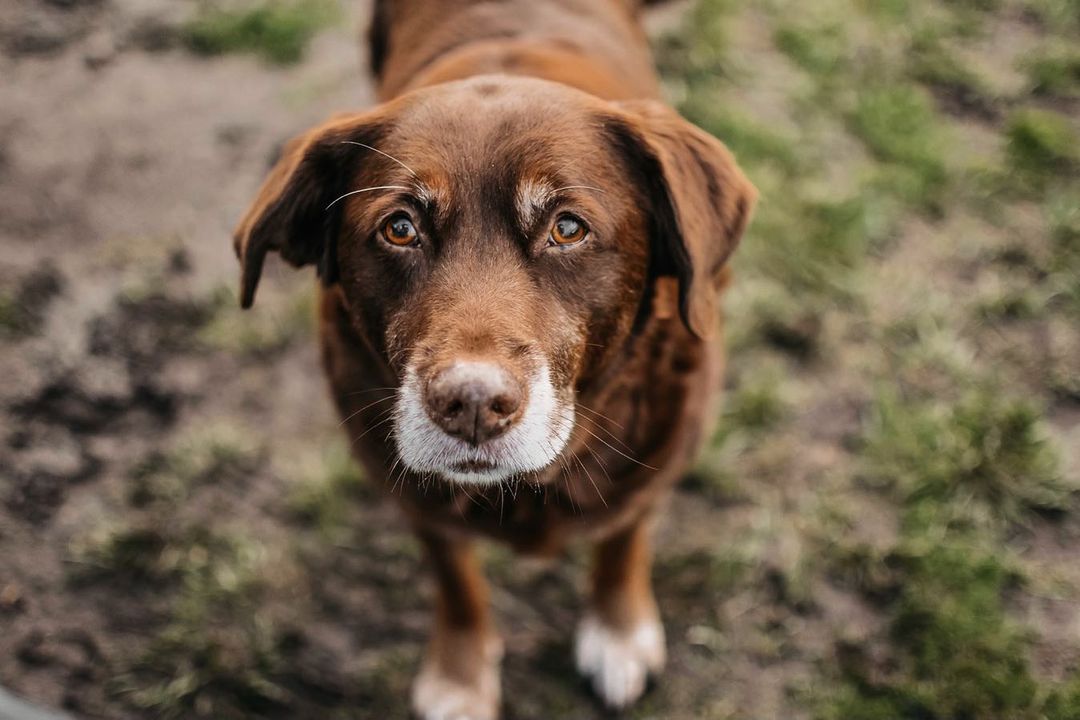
pixel 181 533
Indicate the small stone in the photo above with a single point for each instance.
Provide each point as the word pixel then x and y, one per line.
pixel 100 50
pixel 12 598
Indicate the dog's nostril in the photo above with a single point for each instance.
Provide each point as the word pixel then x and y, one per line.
pixel 454 408
pixel 504 405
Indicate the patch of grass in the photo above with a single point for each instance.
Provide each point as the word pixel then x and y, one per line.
pixel 277 30
pixel 1054 72
pixel 931 62
pixel 699 573
pixel 11 320
pixel 1056 16
pixel 821 50
pixel 269 328
pixel 217 655
pixel 699 56
pixel 217 452
pixel 1042 144
pixel 961 472
pixel 980 5
pixel 758 403
pixel 898 124
pixel 954 652
pixel 326 487
pixel 1064 702
pixel 804 257
pixel 976 462
pixel 754 144
pixel 23 308
pixel 132 552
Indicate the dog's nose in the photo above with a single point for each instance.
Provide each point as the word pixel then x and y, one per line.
pixel 474 401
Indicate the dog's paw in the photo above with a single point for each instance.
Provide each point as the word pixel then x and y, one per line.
pixel 435 696
pixel 619 662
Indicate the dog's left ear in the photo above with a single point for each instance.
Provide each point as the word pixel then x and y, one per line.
pixel 292 212
pixel 700 201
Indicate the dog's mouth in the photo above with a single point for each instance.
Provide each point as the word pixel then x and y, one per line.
pixel 535 439
pixel 473 466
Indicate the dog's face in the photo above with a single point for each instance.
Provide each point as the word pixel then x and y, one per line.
pixel 495 241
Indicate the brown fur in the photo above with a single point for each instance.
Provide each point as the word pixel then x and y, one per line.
pixel 629 323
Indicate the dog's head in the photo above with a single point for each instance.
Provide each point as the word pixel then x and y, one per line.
pixel 496 240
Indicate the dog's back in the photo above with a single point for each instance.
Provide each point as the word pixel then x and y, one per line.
pixel 595 45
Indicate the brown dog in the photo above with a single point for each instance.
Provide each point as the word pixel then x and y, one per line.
pixel 523 250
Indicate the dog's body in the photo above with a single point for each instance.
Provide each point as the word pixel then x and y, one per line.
pixel 586 364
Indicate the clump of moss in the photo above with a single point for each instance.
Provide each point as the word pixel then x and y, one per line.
pixel 277 30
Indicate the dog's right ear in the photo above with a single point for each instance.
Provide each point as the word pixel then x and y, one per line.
pixel 292 212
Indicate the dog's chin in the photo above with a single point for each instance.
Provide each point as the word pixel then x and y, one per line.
pixel 492 476
pixel 532 444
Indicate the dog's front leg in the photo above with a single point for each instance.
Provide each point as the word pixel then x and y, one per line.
pixel 621 640
pixel 459 679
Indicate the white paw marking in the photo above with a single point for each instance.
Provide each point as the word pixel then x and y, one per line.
pixel 619 661
pixel 438 697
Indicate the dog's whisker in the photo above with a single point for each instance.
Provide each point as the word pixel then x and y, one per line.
pixel 364 190
pixel 384 154
pixel 620 452
pixel 385 420
pixel 578 187
pixel 369 390
pixel 369 405
pixel 615 438
pixel 591 481
pixel 600 464
pixel 599 414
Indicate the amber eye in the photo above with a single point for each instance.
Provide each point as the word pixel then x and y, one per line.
pixel 399 231
pixel 568 230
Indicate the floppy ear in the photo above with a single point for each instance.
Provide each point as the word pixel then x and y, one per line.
pixel 290 214
pixel 700 200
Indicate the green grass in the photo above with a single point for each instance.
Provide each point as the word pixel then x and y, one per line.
pixel 217 452
pixel 982 459
pixel 933 63
pixel 218 653
pixel 955 439
pixel 1042 144
pixel 277 30
pixel 271 326
pixel 961 474
pixel 12 322
pixel 898 124
pixel 1054 72
pixel 820 50
pixel 325 488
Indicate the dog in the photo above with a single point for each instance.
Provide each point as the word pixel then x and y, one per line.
pixel 521 252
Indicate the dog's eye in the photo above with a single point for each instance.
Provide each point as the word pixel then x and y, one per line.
pixel 399 231
pixel 567 230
